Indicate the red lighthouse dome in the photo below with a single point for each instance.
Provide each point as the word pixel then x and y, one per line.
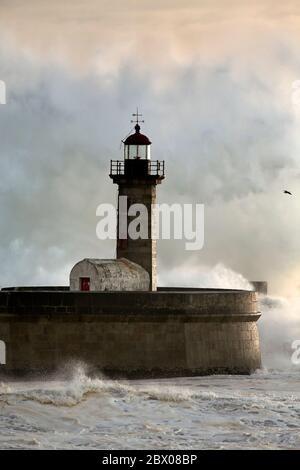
pixel 137 138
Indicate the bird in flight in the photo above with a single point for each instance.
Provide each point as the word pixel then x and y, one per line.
pixel 287 192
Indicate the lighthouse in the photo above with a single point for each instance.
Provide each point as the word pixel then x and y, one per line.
pixel 137 177
pixel 112 317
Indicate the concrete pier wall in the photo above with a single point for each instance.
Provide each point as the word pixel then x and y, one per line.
pixel 133 334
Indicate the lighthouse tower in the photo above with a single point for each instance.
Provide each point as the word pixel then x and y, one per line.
pixel 137 176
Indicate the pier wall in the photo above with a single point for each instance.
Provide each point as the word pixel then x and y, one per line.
pixel 131 334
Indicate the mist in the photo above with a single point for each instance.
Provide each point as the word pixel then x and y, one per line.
pixel 279 327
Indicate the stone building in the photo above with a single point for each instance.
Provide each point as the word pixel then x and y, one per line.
pixel 108 275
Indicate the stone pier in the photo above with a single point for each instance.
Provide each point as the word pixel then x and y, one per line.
pixel 131 334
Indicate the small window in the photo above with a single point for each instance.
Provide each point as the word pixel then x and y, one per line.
pixel 85 283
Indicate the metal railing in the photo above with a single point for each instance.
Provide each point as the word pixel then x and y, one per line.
pixel 117 167
pixel 155 167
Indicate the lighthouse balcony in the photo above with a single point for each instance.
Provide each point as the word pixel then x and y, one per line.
pixel 137 168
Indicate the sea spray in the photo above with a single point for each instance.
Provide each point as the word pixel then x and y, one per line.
pixel 80 387
pixel 218 277
pixel 279 327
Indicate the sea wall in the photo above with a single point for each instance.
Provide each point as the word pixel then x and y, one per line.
pixel 142 334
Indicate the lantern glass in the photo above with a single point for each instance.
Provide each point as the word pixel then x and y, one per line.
pixel 137 151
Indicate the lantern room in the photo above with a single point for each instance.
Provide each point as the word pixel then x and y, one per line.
pixel 137 146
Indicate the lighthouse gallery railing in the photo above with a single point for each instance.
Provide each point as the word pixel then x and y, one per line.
pixel 155 167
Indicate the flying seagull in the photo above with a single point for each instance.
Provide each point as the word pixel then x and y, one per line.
pixel 287 192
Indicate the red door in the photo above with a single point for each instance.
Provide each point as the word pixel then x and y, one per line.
pixel 85 283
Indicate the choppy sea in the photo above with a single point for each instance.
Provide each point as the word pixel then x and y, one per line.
pixel 261 411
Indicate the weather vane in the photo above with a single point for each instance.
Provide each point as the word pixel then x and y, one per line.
pixel 137 115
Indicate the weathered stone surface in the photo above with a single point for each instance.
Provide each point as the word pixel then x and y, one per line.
pixel 141 251
pixel 110 275
pixel 143 334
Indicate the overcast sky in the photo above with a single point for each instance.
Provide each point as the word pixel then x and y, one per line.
pixel 214 82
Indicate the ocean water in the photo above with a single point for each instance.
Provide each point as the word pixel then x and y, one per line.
pixel 261 411
pixel 219 412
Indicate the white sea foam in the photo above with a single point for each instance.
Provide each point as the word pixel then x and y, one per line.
pixel 258 411
pixel 80 387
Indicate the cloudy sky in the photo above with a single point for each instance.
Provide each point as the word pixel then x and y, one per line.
pixel 214 80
